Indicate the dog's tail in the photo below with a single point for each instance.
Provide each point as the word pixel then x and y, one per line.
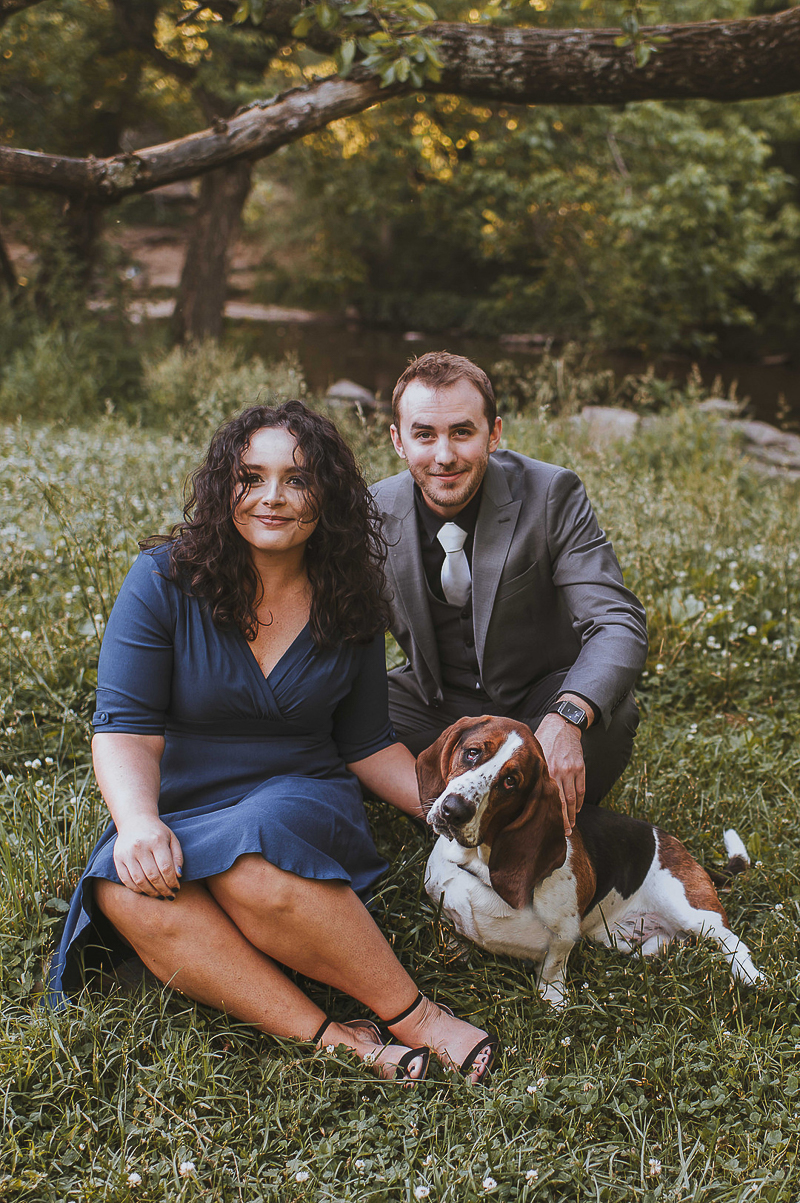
pixel 738 859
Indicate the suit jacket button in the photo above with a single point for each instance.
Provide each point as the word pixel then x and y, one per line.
pixel 436 704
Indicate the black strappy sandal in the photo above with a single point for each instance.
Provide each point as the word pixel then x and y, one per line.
pixel 402 1069
pixel 489 1044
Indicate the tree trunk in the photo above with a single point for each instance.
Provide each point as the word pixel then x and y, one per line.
pixel 8 277
pixel 200 303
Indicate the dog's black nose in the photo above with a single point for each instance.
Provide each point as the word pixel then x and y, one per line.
pixel 456 809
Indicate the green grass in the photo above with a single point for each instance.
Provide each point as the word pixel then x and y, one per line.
pixel 661 1080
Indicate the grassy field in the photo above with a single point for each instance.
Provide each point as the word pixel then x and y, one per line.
pixel 661 1081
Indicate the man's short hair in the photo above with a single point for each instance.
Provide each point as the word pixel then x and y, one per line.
pixel 438 369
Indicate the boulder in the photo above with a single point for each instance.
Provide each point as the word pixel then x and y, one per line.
pixel 348 394
pixel 606 424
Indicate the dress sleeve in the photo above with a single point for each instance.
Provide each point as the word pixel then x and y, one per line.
pixel 361 720
pixel 134 673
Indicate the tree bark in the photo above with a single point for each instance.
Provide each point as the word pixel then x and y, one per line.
pixel 200 303
pixel 8 277
pixel 716 60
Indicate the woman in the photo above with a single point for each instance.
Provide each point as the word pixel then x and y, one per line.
pixel 241 698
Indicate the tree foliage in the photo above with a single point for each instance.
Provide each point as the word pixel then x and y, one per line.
pixel 647 224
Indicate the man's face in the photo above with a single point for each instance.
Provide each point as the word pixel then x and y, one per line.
pixel 445 438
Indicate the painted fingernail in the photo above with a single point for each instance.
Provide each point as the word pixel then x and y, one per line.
pixel 171 897
pixel 179 872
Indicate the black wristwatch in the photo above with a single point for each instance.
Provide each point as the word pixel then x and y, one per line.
pixel 572 713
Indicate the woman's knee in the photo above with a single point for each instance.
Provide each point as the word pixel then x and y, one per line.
pixel 255 885
pixel 140 918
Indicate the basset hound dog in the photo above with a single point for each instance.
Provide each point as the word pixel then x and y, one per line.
pixel 510 879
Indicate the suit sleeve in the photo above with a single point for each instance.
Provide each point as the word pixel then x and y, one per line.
pixel 608 619
pixel 361 720
pixel 134 672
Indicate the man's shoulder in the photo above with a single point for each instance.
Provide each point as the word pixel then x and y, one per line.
pixel 391 488
pixel 524 473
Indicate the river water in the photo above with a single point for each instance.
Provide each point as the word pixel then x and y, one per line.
pixel 375 358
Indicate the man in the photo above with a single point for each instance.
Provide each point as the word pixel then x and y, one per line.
pixel 506 596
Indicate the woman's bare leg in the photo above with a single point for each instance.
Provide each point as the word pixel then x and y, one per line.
pixel 193 945
pixel 322 930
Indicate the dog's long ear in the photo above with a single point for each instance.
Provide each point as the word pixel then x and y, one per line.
pixel 433 764
pixel 531 847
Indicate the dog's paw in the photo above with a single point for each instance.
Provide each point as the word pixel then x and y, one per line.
pixel 554 994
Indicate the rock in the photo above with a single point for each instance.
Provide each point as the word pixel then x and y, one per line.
pixel 721 406
pixel 347 393
pixel 605 424
pixel 763 435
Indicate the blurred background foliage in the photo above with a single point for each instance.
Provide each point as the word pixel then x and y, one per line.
pixel 652 226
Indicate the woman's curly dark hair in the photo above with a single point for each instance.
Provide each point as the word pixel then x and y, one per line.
pixel 344 556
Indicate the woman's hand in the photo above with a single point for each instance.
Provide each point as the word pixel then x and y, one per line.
pixel 148 858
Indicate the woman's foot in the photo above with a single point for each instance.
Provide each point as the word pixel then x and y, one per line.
pixel 394 1062
pixel 459 1045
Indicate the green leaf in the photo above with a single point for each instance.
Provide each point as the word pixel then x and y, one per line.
pixel 387 75
pixel 301 24
pixel 257 10
pixel 327 17
pixel 345 56
pixel 242 12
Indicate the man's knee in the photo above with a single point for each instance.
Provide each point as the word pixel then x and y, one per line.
pixel 607 751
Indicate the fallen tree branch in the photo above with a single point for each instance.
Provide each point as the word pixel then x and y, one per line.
pixel 716 60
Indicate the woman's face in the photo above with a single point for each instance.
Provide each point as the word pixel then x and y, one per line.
pixel 273 516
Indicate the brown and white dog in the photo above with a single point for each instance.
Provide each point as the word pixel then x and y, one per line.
pixel 511 881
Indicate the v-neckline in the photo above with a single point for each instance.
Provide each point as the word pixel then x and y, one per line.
pixel 281 658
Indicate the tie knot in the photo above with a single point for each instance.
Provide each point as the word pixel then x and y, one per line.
pixel 452 537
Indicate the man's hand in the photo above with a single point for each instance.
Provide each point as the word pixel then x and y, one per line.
pixel 561 744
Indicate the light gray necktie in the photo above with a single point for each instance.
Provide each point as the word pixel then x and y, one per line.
pixel 456 579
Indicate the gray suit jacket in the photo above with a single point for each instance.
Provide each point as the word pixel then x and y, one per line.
pixel 547 589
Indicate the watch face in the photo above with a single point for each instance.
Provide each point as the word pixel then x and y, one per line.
pixel 572 713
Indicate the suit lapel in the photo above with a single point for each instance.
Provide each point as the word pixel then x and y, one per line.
pixel 494 530
pixel 408 577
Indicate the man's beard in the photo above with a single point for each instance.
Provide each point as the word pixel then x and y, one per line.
pixel 455 496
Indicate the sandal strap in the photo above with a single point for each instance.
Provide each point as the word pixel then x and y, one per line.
pixel 389 1023
pixel 321 1030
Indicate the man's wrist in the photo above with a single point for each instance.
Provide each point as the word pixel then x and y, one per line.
pixel 574 711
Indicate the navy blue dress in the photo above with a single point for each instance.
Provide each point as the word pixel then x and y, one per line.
pixel 250 764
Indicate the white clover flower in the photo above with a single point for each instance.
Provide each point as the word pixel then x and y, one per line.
pixel 531 1089
pixel 541 1081
pixel 654 1167
pixel 9 778
pixel 660 668
pixel 531 1175
pixel 25 635
pixel 566 1041
pixel 302 1176
pixel 39 781
pixel 421 1192
pixel 186 1169
pixel 778 906
pixel 489 1183
pixel 358 1163
pixel 330 1049
pixel 428 1160
pixel 134 1179
pixel 751 630
pixel 759 864
pixel 48 760
pixel 36 764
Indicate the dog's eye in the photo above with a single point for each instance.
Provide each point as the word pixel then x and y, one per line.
pixel 510 781
pixel 471 755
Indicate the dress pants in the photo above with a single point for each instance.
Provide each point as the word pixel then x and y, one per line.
pixel 606 752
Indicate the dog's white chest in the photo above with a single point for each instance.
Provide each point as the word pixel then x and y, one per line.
pixel 459 877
